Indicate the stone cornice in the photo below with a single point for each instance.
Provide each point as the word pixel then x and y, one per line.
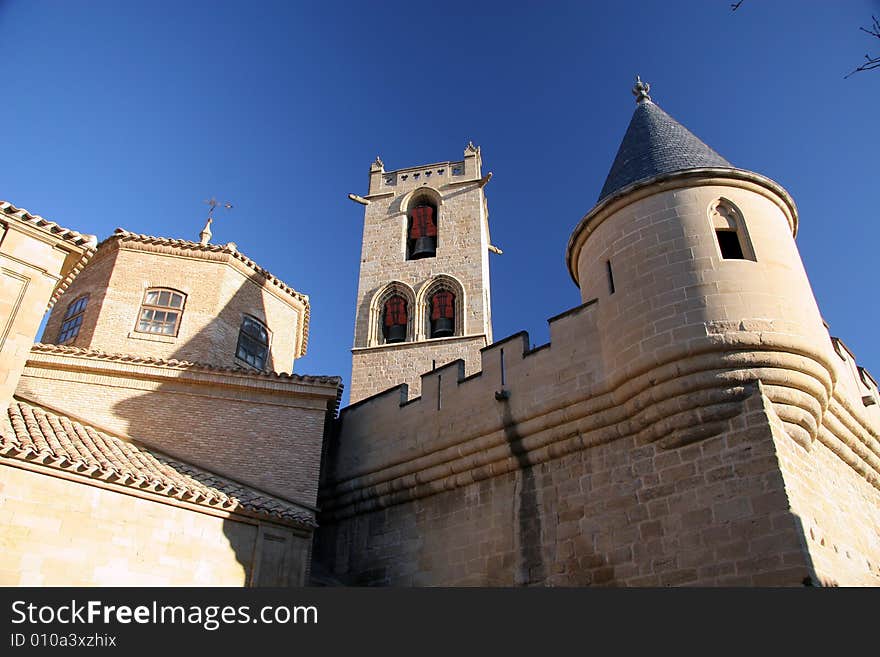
pixel 76 359
pixel 679 179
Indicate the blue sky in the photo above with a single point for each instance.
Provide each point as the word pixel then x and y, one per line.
pixel 132 113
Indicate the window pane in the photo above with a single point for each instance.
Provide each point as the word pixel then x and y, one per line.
pixel 144 326
pixel 168 329
pixel 152 298
pixel 176 301
pixel 163 298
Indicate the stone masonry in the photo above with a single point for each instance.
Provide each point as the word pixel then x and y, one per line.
pixel 693 422
pixel 462 257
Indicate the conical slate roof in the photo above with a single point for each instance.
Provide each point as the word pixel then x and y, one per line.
pixel 655 144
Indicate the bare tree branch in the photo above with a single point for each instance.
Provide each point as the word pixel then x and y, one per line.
pixel 735 5
pixel 870 62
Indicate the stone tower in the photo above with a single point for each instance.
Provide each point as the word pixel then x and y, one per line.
pixel 694 262
pixel 692 422
pixel 423 295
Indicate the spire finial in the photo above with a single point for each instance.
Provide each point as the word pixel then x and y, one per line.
pixel 640 90
pixel 205 235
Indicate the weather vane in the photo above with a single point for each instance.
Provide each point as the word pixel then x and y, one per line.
pixel 205 235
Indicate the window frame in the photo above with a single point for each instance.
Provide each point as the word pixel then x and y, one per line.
pixel 71 314
pixel 156 307
pixel 268 345
pixel 726 217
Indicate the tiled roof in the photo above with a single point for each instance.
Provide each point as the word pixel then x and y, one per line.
pixel 178 364
pixel 61 443
pixel 656 144
pixel 123 235
pixel 78 239
pixel 85 242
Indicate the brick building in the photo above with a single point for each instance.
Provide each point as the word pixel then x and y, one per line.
pixel 154 438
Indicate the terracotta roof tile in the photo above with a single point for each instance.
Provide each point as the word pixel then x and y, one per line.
pixel 79 239
pixel 86 242
pixel 59 442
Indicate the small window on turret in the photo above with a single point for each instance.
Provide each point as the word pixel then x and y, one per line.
pixel 161 311
pixel 729 244
pixel 73 318
pixel 731 232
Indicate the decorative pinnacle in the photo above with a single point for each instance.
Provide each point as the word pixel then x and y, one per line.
pixel 205 235
pixel 640 90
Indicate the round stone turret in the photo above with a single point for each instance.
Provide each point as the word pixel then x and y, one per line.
pixel 697 275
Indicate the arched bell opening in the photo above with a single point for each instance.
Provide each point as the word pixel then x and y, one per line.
pixel 442 314
pixel 394 320
pixel 422 230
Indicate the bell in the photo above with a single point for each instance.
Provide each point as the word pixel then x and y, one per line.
pixel 395 333
pixel 442 328
pixel 424 247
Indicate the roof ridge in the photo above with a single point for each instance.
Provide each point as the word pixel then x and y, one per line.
pixel 40 347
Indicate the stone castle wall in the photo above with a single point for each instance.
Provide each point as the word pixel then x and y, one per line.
pixel 372 369
pixel 671 432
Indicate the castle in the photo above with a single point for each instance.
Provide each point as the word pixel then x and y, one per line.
pixel 692 422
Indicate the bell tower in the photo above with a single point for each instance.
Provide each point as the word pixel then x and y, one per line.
pixel 423 294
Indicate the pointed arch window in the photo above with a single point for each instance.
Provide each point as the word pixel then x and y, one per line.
pixel 422 231
pixel 161 311
pixel 253 342
pixel 73 318
pixel 394 319
pixel 442 314
pixel 731 232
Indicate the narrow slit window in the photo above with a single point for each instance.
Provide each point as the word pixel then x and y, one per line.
pixel 161 311
pixel 610 277
pixel 728 242
pixel 731 231
pixel 73 318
